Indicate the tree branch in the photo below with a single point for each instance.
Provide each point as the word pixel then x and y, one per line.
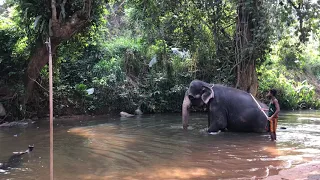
pixel 78 20
pixel 54 11
pixel 64 3
pixel 63 11
pixel 87 7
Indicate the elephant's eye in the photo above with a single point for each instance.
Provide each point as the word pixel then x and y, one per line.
pixel 191 97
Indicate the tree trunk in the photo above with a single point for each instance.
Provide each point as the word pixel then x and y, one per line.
pixel 247 79
pixel 60 31
pixel 37 61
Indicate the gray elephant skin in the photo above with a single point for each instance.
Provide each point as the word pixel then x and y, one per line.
pixel 228 108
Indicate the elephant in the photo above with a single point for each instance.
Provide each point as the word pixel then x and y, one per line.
pixel 229 109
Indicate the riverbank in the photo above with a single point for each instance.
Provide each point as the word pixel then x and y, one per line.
pixel 309 171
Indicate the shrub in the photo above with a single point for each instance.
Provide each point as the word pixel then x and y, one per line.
pixel 291 94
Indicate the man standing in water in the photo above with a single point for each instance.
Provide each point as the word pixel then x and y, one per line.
pixel 274 109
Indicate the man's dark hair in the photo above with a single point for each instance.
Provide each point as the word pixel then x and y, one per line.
pixel 273 92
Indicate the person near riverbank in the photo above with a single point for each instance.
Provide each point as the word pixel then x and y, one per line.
pixel 273 112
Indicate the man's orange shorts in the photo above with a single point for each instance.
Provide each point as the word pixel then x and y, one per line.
pixel 273 124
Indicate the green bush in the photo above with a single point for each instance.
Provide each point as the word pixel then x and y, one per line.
pixel 291 94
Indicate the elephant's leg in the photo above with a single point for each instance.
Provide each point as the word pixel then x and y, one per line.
pixel 185 111
pixel 218 121
pixel 217 118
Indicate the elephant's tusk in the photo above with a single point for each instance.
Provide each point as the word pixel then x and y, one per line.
pixel 259 105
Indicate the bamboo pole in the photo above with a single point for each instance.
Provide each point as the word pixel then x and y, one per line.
pixel 258 105
pixel 51 108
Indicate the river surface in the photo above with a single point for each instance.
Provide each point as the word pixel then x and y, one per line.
pixel 156 147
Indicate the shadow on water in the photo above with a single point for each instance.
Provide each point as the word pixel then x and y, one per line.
pixel 156 147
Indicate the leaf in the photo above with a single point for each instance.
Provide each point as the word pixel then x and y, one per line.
pixel 36 21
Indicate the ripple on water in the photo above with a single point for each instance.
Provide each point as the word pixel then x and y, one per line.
pixel 308 118
pixel 160 148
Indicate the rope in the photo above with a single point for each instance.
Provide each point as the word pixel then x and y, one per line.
pixel 258 105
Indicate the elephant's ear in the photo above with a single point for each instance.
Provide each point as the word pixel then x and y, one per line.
pixel 207 94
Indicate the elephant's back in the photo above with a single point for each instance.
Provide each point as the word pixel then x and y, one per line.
pixel 230 91
pixel 244 113
pixel 237 97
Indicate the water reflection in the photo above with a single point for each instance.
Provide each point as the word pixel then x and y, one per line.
pixel 155 147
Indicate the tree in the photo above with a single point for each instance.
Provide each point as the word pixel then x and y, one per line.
pixel 252 39
pixel 204 28
pixel 307 14
pixel 60 20
pixel 223 46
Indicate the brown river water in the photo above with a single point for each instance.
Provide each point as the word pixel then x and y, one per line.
pixel 156 147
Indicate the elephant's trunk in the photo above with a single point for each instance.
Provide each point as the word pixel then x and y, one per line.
pixel 185 111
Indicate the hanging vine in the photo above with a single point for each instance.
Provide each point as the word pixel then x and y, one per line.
pixel 252 39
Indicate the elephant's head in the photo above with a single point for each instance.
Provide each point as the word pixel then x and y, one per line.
pixel 198 93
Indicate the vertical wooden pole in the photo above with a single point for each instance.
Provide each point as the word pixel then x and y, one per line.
pixel 51 109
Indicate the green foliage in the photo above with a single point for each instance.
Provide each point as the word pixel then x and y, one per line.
pixel 291 94
pixel 35 16
pixel 188 39
pixel 303 16
pixel 162 94
pixel 12 53
pixel 296 90
pixel 12 50
pixel 311 59
pixel 122 80
pixel 298 57
pixel 106 72
pixel 203 28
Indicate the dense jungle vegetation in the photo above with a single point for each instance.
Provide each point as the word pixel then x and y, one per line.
pixel 131 54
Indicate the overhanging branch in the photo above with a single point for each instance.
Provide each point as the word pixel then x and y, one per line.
pixel 63 10
pixel 87 7
pixel 75 23
pixel 54 11
pixel 64 3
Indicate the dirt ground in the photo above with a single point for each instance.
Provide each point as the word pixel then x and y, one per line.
pixel 308 171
